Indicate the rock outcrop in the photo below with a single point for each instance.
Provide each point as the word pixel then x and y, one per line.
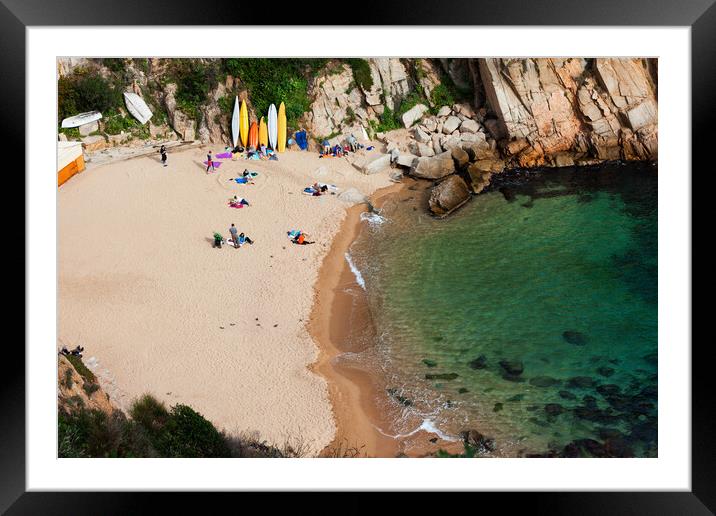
pixel 184 126
pixel 598 108
pixel 433 168
pixel 448 195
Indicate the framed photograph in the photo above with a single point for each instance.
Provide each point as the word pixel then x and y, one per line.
pixel 368 250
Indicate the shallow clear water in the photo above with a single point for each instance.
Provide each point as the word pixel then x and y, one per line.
pixel 561 280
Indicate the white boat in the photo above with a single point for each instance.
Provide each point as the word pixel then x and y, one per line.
pixel 81 119
pixel 137 107
pixel 235 124
pixel 272 126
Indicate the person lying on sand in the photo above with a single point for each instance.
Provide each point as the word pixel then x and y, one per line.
pixel 238 201
pixel 301 240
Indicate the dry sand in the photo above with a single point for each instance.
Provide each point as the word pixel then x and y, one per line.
pixel 159 310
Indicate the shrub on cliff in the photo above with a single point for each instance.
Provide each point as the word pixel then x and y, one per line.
pixel 361 73
pixel 272 81
pixel 85 91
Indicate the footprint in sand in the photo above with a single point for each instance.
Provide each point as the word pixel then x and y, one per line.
pixel 232 324
pixel 275 325
pixel 221 327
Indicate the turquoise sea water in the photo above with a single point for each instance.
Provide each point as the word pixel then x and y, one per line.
pixel 553 273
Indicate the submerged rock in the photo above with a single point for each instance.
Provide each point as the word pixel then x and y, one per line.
pixel 575 337
pixel 497 407
pixel 516 397
pixel 605 371
pixel 512 367
pixel 580 382
pixel 441 376
pixel 429 363
pixel 479 363
pixel 544 381
pixel 477 440
pixel 567 395
pixel 553 409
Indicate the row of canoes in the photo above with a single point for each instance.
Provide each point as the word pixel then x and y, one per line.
pixel 270 132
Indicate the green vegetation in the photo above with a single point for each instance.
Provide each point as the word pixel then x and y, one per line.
pixel 114 64
pixel 81 368
pixel 361 73
pixel 272 81
pixel 194 80
pixel 441 96
pixel 85 91
pixel 469 453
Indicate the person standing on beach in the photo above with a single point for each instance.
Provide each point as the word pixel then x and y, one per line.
pixel 209 163
pixel 163 152
pixel 234 235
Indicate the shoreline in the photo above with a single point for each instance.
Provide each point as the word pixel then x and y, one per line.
pixel 354 391
pixel 351 390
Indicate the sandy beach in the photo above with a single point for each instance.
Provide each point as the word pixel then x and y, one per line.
pixel 159 310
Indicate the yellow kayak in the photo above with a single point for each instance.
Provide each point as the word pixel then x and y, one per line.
pixel 263 132
pixel 244 123
pixel 281 144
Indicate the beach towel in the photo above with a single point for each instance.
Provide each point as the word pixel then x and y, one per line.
pixel 301 140
pixel 223 155
pixel 273 157
pixel 240 180
pixel 294 233
pixel 236 205
pixel 370 148
pixel 216 165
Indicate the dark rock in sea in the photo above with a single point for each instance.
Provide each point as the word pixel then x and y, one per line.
pixel 590 402
pixel 529 203
pixel 448 404
pixel 553 409
pixel 650 392
pixel 512 367
pixel 539 422
pixel 592 447
pixel 652 358
pixel 441 376
pixel 646 431
pixel 463 390
pixel 617 447
pixel 507 193
pixel 614 361
pixel 497 407
pixel 609 389
pixel 575 337
pixel 438 338
pixel 400 399
pixel 478 441
pixel 433 440
pixel 429 363
pixel 566 395
pixel 580 382
pixel 609 433
pixel 516 397
pixel 605 371
pixel 571 451
pixel 479 363
pixel 544 381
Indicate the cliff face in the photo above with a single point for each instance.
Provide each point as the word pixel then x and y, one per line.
pixel 602 108
pixel 531 111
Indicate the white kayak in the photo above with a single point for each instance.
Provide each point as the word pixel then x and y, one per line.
pixel 137 107
pixel 81 119
pixel 235 124
pixel 272 126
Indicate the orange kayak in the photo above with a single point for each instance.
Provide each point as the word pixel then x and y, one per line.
pixel 254 135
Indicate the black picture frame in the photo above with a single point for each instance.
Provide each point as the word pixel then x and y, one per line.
pixel 699 15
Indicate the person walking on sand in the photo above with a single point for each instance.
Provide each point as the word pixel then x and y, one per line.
pixel 234 236
pixel 209 163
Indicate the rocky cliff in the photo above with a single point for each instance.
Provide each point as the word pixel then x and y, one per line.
pixel 504 113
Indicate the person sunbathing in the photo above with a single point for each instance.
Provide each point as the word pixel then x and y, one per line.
pixel 238 201
pixel 301 239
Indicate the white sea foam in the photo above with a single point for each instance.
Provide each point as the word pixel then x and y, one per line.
pixel 429 426
pixel 372 218
pixel 356 272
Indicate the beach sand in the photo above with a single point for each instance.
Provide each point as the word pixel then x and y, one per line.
pixel 159 310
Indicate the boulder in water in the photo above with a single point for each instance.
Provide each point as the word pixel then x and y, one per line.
pixel 575 337
pixel 479 363
pixel 512 367
pixel 429 363
pixel 605 371
pixel 497 407
pixel 448 196
pixel 477 440
pixel 544 381
pixel 441 376
pixel 566 395
pixel 553 409
pixel 580 382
